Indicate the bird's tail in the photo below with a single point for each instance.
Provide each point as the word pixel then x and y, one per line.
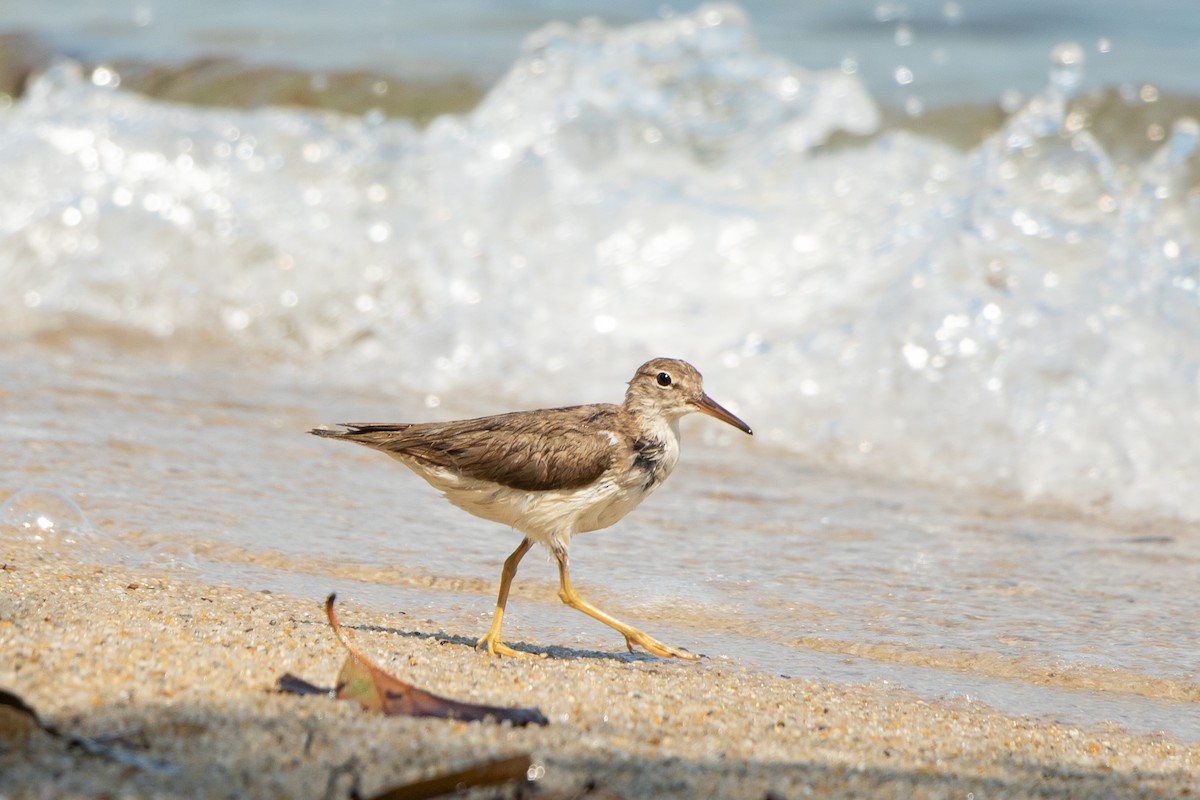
pixel 376 435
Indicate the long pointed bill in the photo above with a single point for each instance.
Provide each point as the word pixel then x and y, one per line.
pixel 706 405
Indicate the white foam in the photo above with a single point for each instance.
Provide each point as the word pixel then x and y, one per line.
pixel 1025 315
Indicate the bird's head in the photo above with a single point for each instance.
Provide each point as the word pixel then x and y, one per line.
pixel 672 388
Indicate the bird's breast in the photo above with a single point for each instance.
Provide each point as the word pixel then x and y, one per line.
pixel 653 460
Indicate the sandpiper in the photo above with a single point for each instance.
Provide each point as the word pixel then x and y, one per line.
pixel 556 472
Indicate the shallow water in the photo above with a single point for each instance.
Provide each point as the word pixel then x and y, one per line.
pixel 972 374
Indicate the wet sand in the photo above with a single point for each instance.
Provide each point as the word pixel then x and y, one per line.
pixel 183 673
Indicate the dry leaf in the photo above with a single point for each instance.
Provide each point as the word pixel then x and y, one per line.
pixel 361 680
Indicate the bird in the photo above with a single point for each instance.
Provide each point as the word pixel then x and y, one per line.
pixel 556 472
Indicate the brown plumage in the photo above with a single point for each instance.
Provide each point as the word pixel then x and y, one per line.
pixel 555 472
pixel 555 448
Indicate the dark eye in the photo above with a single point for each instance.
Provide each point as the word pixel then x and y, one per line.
pixel 664 379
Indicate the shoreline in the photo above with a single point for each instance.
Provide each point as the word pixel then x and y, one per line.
pixel 183 672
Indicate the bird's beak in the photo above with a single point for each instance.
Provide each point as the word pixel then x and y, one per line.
pixel 706 405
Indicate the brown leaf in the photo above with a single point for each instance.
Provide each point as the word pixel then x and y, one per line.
pixel 489 773
pixel 360 679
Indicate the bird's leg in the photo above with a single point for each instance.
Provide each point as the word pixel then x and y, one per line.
pixel 492 640
pixel 632 635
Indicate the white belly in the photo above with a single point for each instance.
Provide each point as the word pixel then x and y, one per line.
pixel 552 516
pixel 545 516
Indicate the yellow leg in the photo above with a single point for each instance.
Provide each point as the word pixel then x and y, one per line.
pixel 632 635
pixel 492 640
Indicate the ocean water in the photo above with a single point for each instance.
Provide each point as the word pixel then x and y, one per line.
pixel 923 52
pixel 973 373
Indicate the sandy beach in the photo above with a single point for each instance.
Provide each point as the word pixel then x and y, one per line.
pixel 174 671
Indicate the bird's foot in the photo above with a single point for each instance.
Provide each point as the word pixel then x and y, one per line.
pixel 654 646
pixel 497 648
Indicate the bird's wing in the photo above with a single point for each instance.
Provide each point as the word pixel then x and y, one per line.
pixel 560 448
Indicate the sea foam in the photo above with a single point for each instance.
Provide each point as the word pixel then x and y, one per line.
pixel 1022 316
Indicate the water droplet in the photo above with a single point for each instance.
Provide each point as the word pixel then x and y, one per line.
pixel 379 232
pixel 1066 67
pixel 916 357
pixel 237 319
pixel 104 76
pixel 170 556
pixel 40 515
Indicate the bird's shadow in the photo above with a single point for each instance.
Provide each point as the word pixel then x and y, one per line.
pixel 552 651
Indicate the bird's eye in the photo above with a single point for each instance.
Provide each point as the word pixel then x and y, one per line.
pixel 664 379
